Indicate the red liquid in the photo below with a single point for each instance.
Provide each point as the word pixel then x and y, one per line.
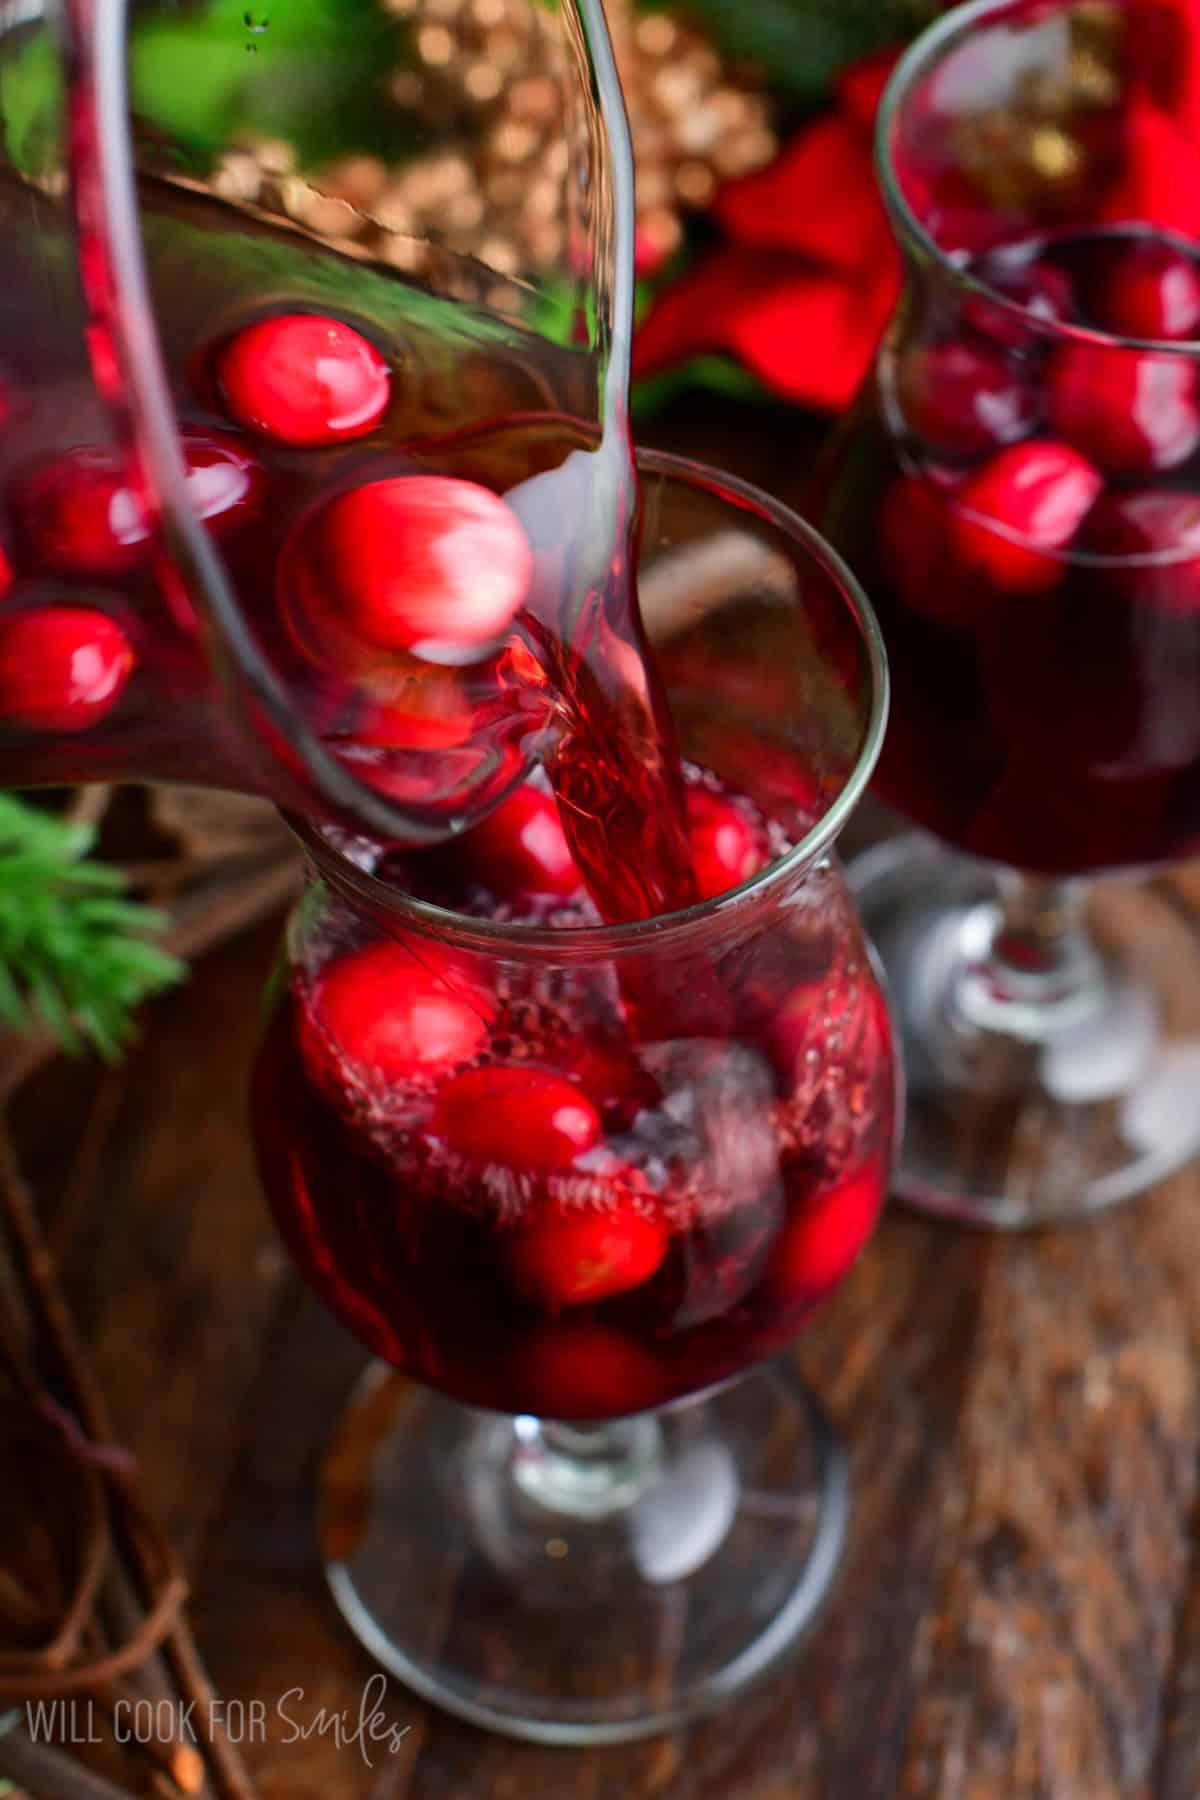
pixel 1044 640
pixel 551 669
pixel 654 1200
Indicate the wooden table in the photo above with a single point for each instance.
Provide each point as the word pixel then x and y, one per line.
pixel 1018 1616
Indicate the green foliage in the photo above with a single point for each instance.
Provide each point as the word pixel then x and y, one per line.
pixel 307 70
pixel 800 45
pixel 310 70
pixel 31 106
pixel 73 950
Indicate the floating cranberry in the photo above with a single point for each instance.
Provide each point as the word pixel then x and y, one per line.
pixel 916 552
pixel 82 514
pixel 838 1018
pixel 1152 291
pixel 521 849
pixel 1152 537
pixel 419 563
pixel 1131 412
pixel 572 1257
pixel 1021 507
pixel 223 479
pixel 822 1238
pixel 961 399
pixel 394 1015
pixel 1040 289
pixel 516 1114
pixel 576 1369
pixel 304 379
pixel 62 668
pixel 726 847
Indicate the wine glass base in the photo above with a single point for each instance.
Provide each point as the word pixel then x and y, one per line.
pixel 619 1619
pixel 1070 1113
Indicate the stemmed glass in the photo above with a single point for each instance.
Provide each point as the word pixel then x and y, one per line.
pixel 226 296
pixel 575 1179
pixel 1019 489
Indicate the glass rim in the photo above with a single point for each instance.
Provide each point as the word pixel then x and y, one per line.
pixel 916 60
pixel 560 941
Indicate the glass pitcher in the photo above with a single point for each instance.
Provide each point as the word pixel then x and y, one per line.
pixel 252 264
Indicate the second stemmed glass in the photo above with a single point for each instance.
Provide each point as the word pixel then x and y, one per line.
pixel 1019 488
pixel 575 1178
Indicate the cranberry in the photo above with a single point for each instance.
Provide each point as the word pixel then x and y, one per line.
pixel 1039 289
pixel 222 477
pixel 822 1238
pixel 419 563
pixel 304 379
pixel 1153 536
pixel 842 1015
pixel 394 1015
pixel 916 554
pixel 577 1369
pixel 1131 412
pixel 1018 509
pixel 1152 291
pixel 62 668
pixel 572 1257
pixel 726 847
pixel 962 399
pixel 521 849
pixel 527 1117
pixel 83 515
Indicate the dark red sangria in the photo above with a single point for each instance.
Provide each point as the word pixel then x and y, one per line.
pixel 225 343
pixel 301 429
pixel 548 1171
pixel 317 480
pixel 1033 491
pixel 1019 489
pixel 578 1117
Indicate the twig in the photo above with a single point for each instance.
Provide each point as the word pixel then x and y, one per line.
pixel 180 1761
pixel 89 804
pixel 18 1606
pixel 48 1773
pixel 45 1671
pixel 205 918
pixel 105 1104
pixel 162 1594
pixel 122 1616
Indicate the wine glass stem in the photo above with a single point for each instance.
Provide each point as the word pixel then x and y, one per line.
pixel 587 1471
pixel 1029 969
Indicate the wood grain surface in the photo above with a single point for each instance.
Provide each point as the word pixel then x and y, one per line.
pixel 1018 1616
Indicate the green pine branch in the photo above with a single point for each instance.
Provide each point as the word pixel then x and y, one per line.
pixel 75 953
